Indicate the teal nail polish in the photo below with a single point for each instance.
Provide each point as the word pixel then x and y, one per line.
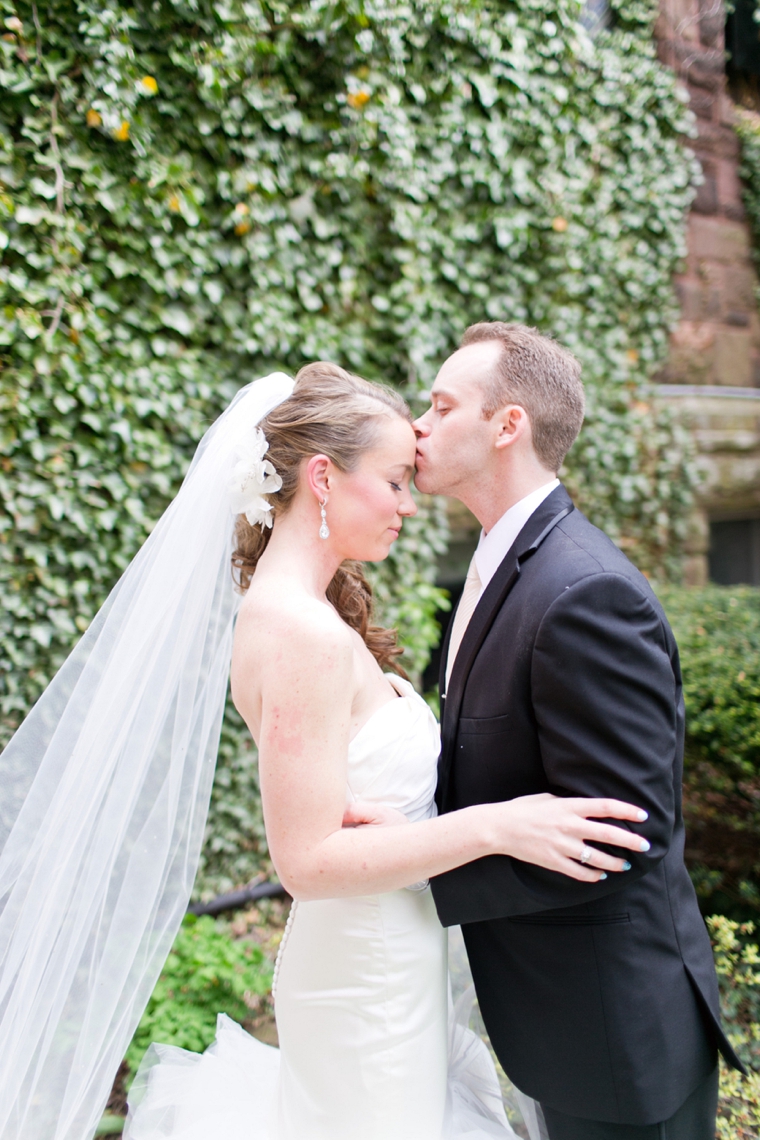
pixel 626 866
pixel 603 875
pixel 645 845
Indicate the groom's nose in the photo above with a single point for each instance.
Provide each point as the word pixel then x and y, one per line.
pixel 421 425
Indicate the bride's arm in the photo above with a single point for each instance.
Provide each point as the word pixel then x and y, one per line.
pixel 303 740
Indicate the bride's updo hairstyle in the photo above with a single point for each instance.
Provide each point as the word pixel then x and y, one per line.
pixel 331 412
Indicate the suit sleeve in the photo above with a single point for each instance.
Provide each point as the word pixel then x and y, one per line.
pixel 605 702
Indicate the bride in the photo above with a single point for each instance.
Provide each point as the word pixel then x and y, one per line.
pixel 106 787
pixel 347 756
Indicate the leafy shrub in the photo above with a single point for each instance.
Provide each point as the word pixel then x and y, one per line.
pixel 718 633
pixel 738 1106
pixel 736 961
pixel 206 973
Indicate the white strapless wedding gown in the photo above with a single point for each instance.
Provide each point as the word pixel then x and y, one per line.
pixel 370 1047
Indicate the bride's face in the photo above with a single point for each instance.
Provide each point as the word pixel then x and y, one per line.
pixel 366 507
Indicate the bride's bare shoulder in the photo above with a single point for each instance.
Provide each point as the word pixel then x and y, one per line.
pixel 288 629
pixel 293 647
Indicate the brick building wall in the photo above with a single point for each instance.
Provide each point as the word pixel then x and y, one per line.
pixel 713 372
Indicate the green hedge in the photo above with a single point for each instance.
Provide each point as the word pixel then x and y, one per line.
pixel 718 633
pixel 194 193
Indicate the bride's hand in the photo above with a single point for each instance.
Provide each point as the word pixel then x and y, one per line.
pixel 360 814
pixel 555 833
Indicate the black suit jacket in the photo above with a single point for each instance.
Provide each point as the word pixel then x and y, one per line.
pixel 600 999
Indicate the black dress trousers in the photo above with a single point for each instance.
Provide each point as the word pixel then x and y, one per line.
pixel 694 1120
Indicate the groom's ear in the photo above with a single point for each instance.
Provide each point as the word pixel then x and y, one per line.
pixel 510 423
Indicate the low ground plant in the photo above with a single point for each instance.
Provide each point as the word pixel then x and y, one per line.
pixel 208 972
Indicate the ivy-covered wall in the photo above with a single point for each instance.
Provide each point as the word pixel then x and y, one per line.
pixel 194 193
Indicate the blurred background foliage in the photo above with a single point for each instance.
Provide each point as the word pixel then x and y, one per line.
pixel 748 130
pixel 195 193
pixel 718 634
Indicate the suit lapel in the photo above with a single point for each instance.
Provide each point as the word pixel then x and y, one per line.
pixel 553 509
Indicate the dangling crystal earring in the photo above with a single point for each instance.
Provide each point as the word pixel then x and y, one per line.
pixel 324 530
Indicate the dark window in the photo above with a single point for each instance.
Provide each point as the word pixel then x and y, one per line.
pixel 743 38
pixel 743 54
pixel 735 552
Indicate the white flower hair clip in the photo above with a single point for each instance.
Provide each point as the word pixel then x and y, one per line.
pixel 253 477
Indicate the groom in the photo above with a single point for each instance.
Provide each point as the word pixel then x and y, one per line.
pixel 560 674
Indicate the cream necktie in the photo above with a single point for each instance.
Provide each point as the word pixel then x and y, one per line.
pixel 467 604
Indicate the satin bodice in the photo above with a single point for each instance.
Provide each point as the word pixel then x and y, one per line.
pixel 394 756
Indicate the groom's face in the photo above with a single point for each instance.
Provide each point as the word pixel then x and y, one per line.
pixel 454 440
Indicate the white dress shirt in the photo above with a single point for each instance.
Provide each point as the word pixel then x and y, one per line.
pixel 493 546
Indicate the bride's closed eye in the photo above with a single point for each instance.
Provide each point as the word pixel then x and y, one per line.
pixel 396 487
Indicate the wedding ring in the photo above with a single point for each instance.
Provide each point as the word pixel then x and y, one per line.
pixel 586 854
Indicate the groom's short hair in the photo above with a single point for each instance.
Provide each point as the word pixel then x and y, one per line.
pixel 539 375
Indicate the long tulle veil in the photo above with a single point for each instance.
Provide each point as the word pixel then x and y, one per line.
pixel 104 792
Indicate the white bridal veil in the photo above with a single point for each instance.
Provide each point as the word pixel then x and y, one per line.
pixel 104 791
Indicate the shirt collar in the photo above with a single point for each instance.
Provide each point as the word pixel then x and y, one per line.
pixel 493 546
